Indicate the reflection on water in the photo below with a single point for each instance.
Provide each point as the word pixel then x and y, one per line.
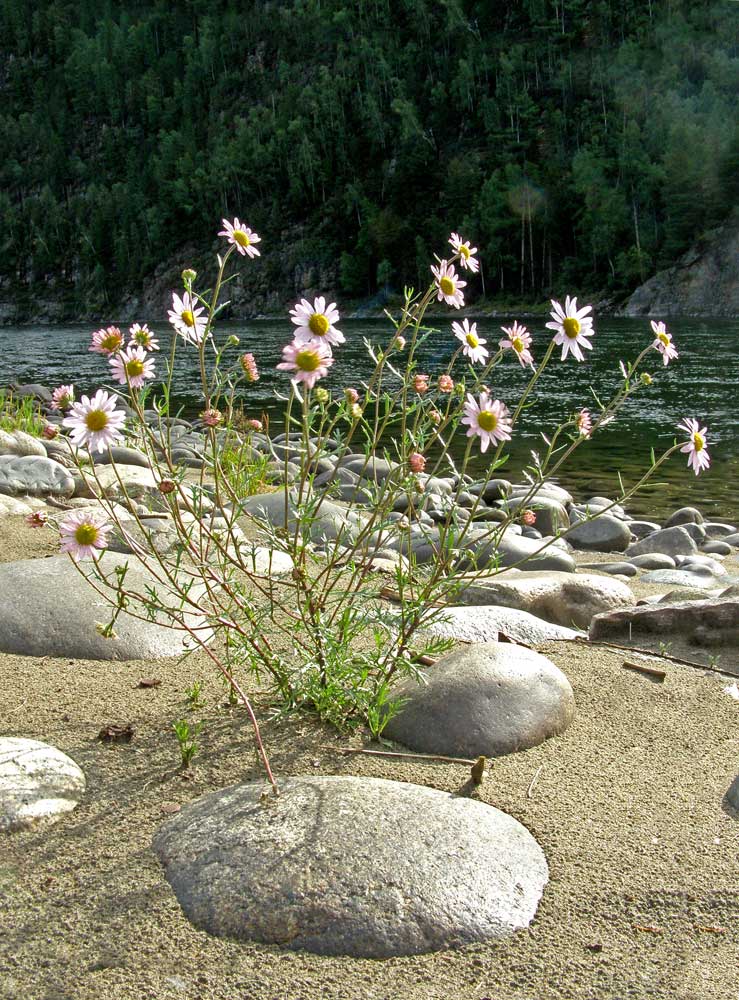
pixel 703 383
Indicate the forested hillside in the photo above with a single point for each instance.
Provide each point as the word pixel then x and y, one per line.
pixel 578 143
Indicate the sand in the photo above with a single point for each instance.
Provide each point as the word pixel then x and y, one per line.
pixel 643 898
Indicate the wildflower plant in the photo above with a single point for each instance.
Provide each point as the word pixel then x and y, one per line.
pixel 291 583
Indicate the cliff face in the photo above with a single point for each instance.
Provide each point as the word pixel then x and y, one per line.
pixel 704 282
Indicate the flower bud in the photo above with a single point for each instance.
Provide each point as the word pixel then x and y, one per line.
pixel 399 343
pixel 351 395
pixel 211 418
pixel 446 383
pixel 356 411
pixel 249 367
pixel 232 340
pixel 50 432
pixel 321 395
pixel 255 425
pixel 421 384
pixel 167 486
pixel 416 462
pixel 646 378
pixel 188 276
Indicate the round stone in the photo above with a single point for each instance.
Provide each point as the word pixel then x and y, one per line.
pixel 732 795
pixel 351 866
pixel 37 782
pixel 32 475
pixel 488 698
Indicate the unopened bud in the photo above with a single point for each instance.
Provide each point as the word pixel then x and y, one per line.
pixel 646 378
pixel 321 395
pixel 188 276
pixel 232 340
pixel 356 411
pixel 167 486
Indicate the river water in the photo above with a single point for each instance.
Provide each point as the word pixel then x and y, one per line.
pixel 703 383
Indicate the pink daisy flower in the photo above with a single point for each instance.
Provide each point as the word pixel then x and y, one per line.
pixel 519 341
pixel 663 343
pixel 488 419
pixel 84 532
pixel 62 397
pixel 416 462
pixel 131 367
pixel 141 336
pixel 695 449
pixel 573 328
pixel 310 360
pixel 186 319
pixel 107 340
pixel 316 322
pixel 584 423
pixel 449 287
pixel 241 237
pixel 95 422
pixel 465 251
pixel 472 344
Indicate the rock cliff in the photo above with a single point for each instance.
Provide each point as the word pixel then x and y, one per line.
pixel 704 282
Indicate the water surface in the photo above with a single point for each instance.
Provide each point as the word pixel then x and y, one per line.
pixel 703 383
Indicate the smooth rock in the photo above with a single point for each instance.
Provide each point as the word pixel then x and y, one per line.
pixel 34 475
pixel 685 515
pixel 701 564
pixel 122 456
pixel 37 783
pixel 613 569
pixel 604 533
pixel 732 540
pixel 11 505
pixel 641 529
pixel 551 515
pixel 513 549
pixel 569 599
pixel 331 520
pixel 653 560
pixel 351 866
pixel 670 541
pixel 19 443
pixel 717 529
pixel 551 490
pixel 49 609
pixel 678 578
pixel 482 624
pixel 115 482
pixel 490 698
pixel 696 531
pixel 716 548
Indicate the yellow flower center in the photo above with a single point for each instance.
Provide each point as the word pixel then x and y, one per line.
pixel 96 420
pixel 135 368
pixel 571 327
pixel 187 317
pixel 111 342
pixel 464 251
pixel 472 340
pixel 517 345
pixel 318 324
pixel 698 442
pixel 664 338
pixel 307 361
pixel 86 534
pixel 446 285
pixel 487 420
pixel 241 238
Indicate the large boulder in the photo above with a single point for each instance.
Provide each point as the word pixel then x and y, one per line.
pixel 712 622
pixel 37 783
pixel 604 533
pixel 488 698
pixel 34 475
pixel 351 866
pixel 569 599
pixel 49 609
pixel 19 443
pixel 512 549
